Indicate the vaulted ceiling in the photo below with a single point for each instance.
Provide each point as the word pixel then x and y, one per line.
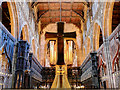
pixel 52 12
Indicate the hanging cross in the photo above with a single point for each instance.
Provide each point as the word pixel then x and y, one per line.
pixel 60 35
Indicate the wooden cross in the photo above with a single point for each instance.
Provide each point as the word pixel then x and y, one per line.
pixel 60 35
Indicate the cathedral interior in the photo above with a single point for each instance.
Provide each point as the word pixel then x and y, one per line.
pixel 59 44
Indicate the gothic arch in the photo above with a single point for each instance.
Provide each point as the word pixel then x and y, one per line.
pixel 25 33
pixel 16 23
pixel 13 18
pixel 107 20
pixel 97 37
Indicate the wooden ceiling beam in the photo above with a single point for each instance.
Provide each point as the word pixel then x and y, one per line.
pixel 37 3
pixel 59 9
pixel 41 15
pixel 71 10
pixel 79 15
pixel 59 17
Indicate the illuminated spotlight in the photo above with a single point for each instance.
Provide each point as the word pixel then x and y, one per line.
pixel 80 86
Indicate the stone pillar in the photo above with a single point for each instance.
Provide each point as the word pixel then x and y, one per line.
pixel 79 48
pixel 42 49
pixel 108 62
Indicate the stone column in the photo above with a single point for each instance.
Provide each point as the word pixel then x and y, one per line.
pixel 42 49
pixel 79 48
pixel 108 62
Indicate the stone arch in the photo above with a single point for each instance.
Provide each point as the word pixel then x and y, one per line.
pixel 15 25
pixel 97 37
pixel 25 33
pixel 13 18
pixel 33 46
pixel 107 20
pixel 68 27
